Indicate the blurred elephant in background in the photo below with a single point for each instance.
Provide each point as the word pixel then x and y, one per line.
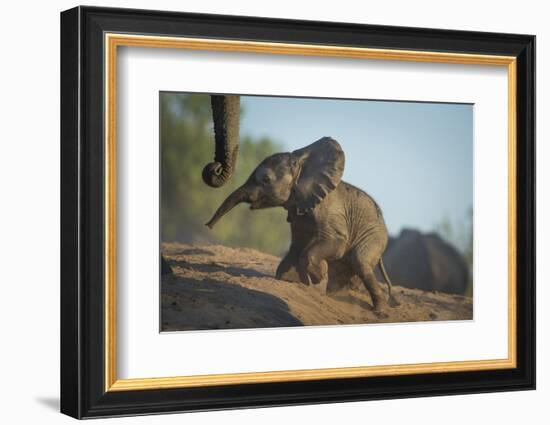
pixel 427 262
pixel 226 116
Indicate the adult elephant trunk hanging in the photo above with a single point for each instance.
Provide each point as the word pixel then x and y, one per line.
pixel 226 115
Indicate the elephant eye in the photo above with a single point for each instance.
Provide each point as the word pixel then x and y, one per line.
pixel 263 176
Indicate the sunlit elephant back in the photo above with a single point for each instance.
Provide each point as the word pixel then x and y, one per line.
pixel 427 262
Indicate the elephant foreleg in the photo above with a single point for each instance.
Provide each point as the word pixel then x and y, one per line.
pixel 288 267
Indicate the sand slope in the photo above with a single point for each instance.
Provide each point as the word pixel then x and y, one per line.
pixel 216 287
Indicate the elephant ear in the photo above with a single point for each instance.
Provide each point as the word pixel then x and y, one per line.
pixel 319 168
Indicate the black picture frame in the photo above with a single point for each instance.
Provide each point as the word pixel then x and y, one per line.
pixel 83 392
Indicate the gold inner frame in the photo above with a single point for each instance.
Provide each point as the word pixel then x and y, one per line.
pixel 113 41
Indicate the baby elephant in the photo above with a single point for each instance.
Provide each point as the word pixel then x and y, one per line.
pixel 331 221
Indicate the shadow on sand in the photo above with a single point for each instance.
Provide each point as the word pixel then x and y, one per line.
pixel 216 267
pixel 200 304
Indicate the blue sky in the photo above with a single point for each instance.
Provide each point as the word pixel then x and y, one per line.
pixel 415 159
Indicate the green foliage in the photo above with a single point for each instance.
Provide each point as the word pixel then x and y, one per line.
pixel 187 145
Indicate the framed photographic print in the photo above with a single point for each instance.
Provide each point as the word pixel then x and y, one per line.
pixel 261 212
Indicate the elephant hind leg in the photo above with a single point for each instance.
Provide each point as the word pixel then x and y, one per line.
pixel 365 270
pixel 340 275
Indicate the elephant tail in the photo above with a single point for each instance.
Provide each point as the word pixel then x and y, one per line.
pixel 392 300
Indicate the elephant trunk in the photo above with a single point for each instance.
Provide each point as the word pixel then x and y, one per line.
pixel 239 195
pixel 226 114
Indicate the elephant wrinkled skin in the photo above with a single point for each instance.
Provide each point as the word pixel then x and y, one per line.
pixel 226 115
